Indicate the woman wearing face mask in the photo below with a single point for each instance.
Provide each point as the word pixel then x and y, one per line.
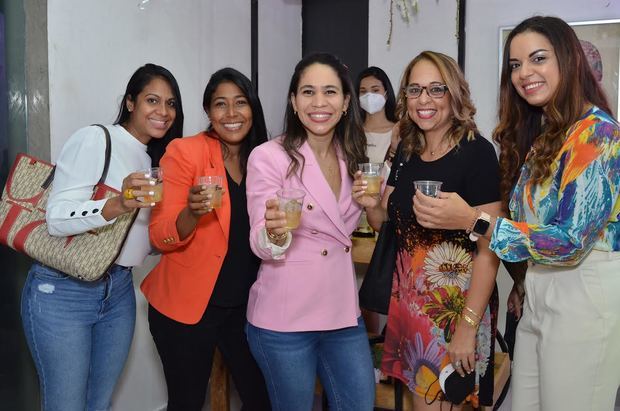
pixel 378 105
pixel 377 100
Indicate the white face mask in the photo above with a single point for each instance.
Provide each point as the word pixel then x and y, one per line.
pixel 372 102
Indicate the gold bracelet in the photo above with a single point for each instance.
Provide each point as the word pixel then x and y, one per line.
pixel 473 313
pixel 276 237
pixel 470 321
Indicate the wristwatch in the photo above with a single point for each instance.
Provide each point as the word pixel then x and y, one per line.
pixel 480 226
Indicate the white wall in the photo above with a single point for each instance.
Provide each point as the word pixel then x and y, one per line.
pixel 95 46
pixel 433 28
pixel 279 37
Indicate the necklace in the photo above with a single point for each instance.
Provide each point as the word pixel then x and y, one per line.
pixel 435 150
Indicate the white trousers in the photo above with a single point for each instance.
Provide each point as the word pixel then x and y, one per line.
pixel 567 350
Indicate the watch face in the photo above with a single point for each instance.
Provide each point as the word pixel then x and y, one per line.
pixel 481 226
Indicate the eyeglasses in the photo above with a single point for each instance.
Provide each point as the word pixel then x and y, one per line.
pixel 433 90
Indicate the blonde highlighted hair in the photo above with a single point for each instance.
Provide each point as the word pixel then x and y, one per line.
pixel 463 109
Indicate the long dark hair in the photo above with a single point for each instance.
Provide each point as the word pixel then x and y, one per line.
pixel 390 98
pixel 143 76
pixel 349 135
pixel 463 109
pixel 258 133
pixel 520 126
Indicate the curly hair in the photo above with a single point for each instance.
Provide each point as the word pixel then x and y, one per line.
pixel 463 110
pixel 523 128
pixel 349 135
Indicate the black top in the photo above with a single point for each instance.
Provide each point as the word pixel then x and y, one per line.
pixel 478 185
pixel 471 170
pixel 240 265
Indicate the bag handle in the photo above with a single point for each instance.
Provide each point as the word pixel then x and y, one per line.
pixel 106 165
pixel 108 153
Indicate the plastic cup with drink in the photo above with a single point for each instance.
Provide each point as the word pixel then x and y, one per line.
pixel 371 173
pixel 291 201
pixel 154 174
pixel 213 186
pixel 428 187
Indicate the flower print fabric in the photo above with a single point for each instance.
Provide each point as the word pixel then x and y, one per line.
pixel 433 273
pixel 576 209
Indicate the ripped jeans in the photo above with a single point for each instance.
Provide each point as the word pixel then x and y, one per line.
pixel 79 334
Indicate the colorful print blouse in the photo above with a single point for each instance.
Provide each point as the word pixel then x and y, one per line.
pixel 576 209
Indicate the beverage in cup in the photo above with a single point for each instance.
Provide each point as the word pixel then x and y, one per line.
pixel 213 186
pixel 371 173
pixel 428 187
pixel 154 174
pixel 291 201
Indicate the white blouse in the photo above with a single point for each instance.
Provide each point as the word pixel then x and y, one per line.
pixel 80 164
pixel 377 145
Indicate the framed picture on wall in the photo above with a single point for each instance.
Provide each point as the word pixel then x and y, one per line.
pixel 600 40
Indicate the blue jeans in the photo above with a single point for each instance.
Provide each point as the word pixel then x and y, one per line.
pixel 290 362
pixel 79 334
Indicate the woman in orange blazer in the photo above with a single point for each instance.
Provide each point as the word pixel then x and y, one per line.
pixel 199 290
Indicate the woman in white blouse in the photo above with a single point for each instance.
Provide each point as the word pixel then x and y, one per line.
pixel 79 333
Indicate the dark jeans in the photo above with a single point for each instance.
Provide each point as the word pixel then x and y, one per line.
pixel 186 352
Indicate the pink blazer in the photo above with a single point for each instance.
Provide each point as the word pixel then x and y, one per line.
pixel 313 287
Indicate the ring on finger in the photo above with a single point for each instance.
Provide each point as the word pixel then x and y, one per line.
pixel 457 364
pixel 128 194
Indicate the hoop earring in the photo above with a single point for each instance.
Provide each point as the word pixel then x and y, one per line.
pixel 344 113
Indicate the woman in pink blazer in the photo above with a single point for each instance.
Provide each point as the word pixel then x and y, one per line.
pixel 303 311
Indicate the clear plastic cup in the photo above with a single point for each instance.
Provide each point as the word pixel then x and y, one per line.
pixel 156 174
pixel 213 186
pixel 291 201
pixel 371 173
pixel 428 187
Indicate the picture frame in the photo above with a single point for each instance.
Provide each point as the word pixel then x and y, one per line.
pixel 601 42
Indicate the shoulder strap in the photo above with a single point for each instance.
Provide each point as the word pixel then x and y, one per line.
pixel 106 165
pixel 108 153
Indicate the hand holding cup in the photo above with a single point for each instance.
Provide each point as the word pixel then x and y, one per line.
pixel 371 174
pixel 275 220
pixel 136 189
pixel 205 195
pixel 360 194
pixel 290 202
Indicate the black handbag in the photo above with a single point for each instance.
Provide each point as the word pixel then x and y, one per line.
pixel 376 289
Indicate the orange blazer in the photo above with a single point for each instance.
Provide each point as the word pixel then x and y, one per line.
pixel 181 284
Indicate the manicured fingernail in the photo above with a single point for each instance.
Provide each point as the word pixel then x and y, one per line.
pixel 151 193
pixel 152 182
pixel 152 204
